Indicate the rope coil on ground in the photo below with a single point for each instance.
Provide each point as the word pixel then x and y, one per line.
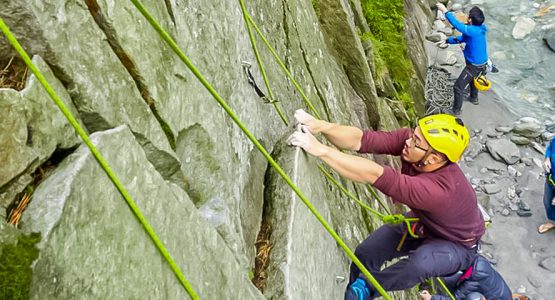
pixel 438 91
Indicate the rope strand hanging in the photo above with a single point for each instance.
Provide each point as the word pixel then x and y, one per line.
pixel 13 41
pixel 173 45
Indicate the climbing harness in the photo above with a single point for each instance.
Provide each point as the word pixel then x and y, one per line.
pixel 550 179
pixel 13 41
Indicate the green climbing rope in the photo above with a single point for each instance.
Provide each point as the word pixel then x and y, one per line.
pixel 445 288
pixel 13 41
pixel 261 65
pixel 389 218
pixel 173 45
pixel 377 198
pixel 288 73
pixel 284 68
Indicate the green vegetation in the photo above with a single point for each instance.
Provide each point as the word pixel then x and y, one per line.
pixel 386 21
pixel 15 267
pixel 316 7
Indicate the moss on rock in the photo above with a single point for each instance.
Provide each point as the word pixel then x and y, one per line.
pixel 15 266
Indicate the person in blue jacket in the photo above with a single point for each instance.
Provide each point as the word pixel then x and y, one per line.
pixel 548 194
pixel 475 54
pixel 480 281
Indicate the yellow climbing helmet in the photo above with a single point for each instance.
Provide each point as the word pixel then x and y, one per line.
pixel 446 134
pixel 482 83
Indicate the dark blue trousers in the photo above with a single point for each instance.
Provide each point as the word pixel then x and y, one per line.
pixel 547 196
pixel 465 85
pixel 420 258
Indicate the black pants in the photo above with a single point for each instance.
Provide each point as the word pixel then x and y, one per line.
pixel 427 257
pixel 464 83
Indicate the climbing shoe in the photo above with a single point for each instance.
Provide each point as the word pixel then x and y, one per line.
pixel 358 290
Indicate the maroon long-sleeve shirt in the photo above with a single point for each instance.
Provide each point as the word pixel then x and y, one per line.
pixel 443 199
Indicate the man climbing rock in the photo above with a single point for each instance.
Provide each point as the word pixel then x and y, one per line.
pixel 430 183
pixel 475 54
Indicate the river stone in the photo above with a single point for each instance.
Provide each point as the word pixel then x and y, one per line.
pixel 520 140
pixel 529 120
pixel 538 147
pixel 523 27
pixel 438 24
pixel 535 281
pixel 32 128
pixel 503 150
pixel 538 162
pixel 294 227
pixel 504 129
pixel 446 57
pixel 548 263
pixel 549 39
pixel 491 189
pixel 528 129
pixel 93 246
pixel 513 172
pixel 474 148
pixel 435 37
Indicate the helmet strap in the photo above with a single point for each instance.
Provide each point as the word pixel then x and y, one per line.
pixel 422 162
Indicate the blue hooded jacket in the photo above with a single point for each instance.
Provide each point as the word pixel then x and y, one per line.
pixel 476 50
pixel 484 280
pixel 550 153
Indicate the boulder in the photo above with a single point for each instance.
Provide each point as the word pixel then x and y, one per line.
pixel 520 140
pixel 549 39
pixel 503 150
pixel 523 27
pixel 94 247
pixel 548 263
pixel 435 37
pixel 438 24
pixel 528 129
pixel 491 189
pixel 446 58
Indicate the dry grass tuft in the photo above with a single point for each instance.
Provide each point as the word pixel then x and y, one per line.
pixel 263 249
pixel 13 75
pixel 15 214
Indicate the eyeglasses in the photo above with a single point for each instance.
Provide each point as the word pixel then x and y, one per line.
pixel 415 142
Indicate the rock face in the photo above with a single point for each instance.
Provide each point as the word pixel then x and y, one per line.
pixel 75 214
pixel 291 261
pixel 32 128
pixel 418 18
pixel 112 69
